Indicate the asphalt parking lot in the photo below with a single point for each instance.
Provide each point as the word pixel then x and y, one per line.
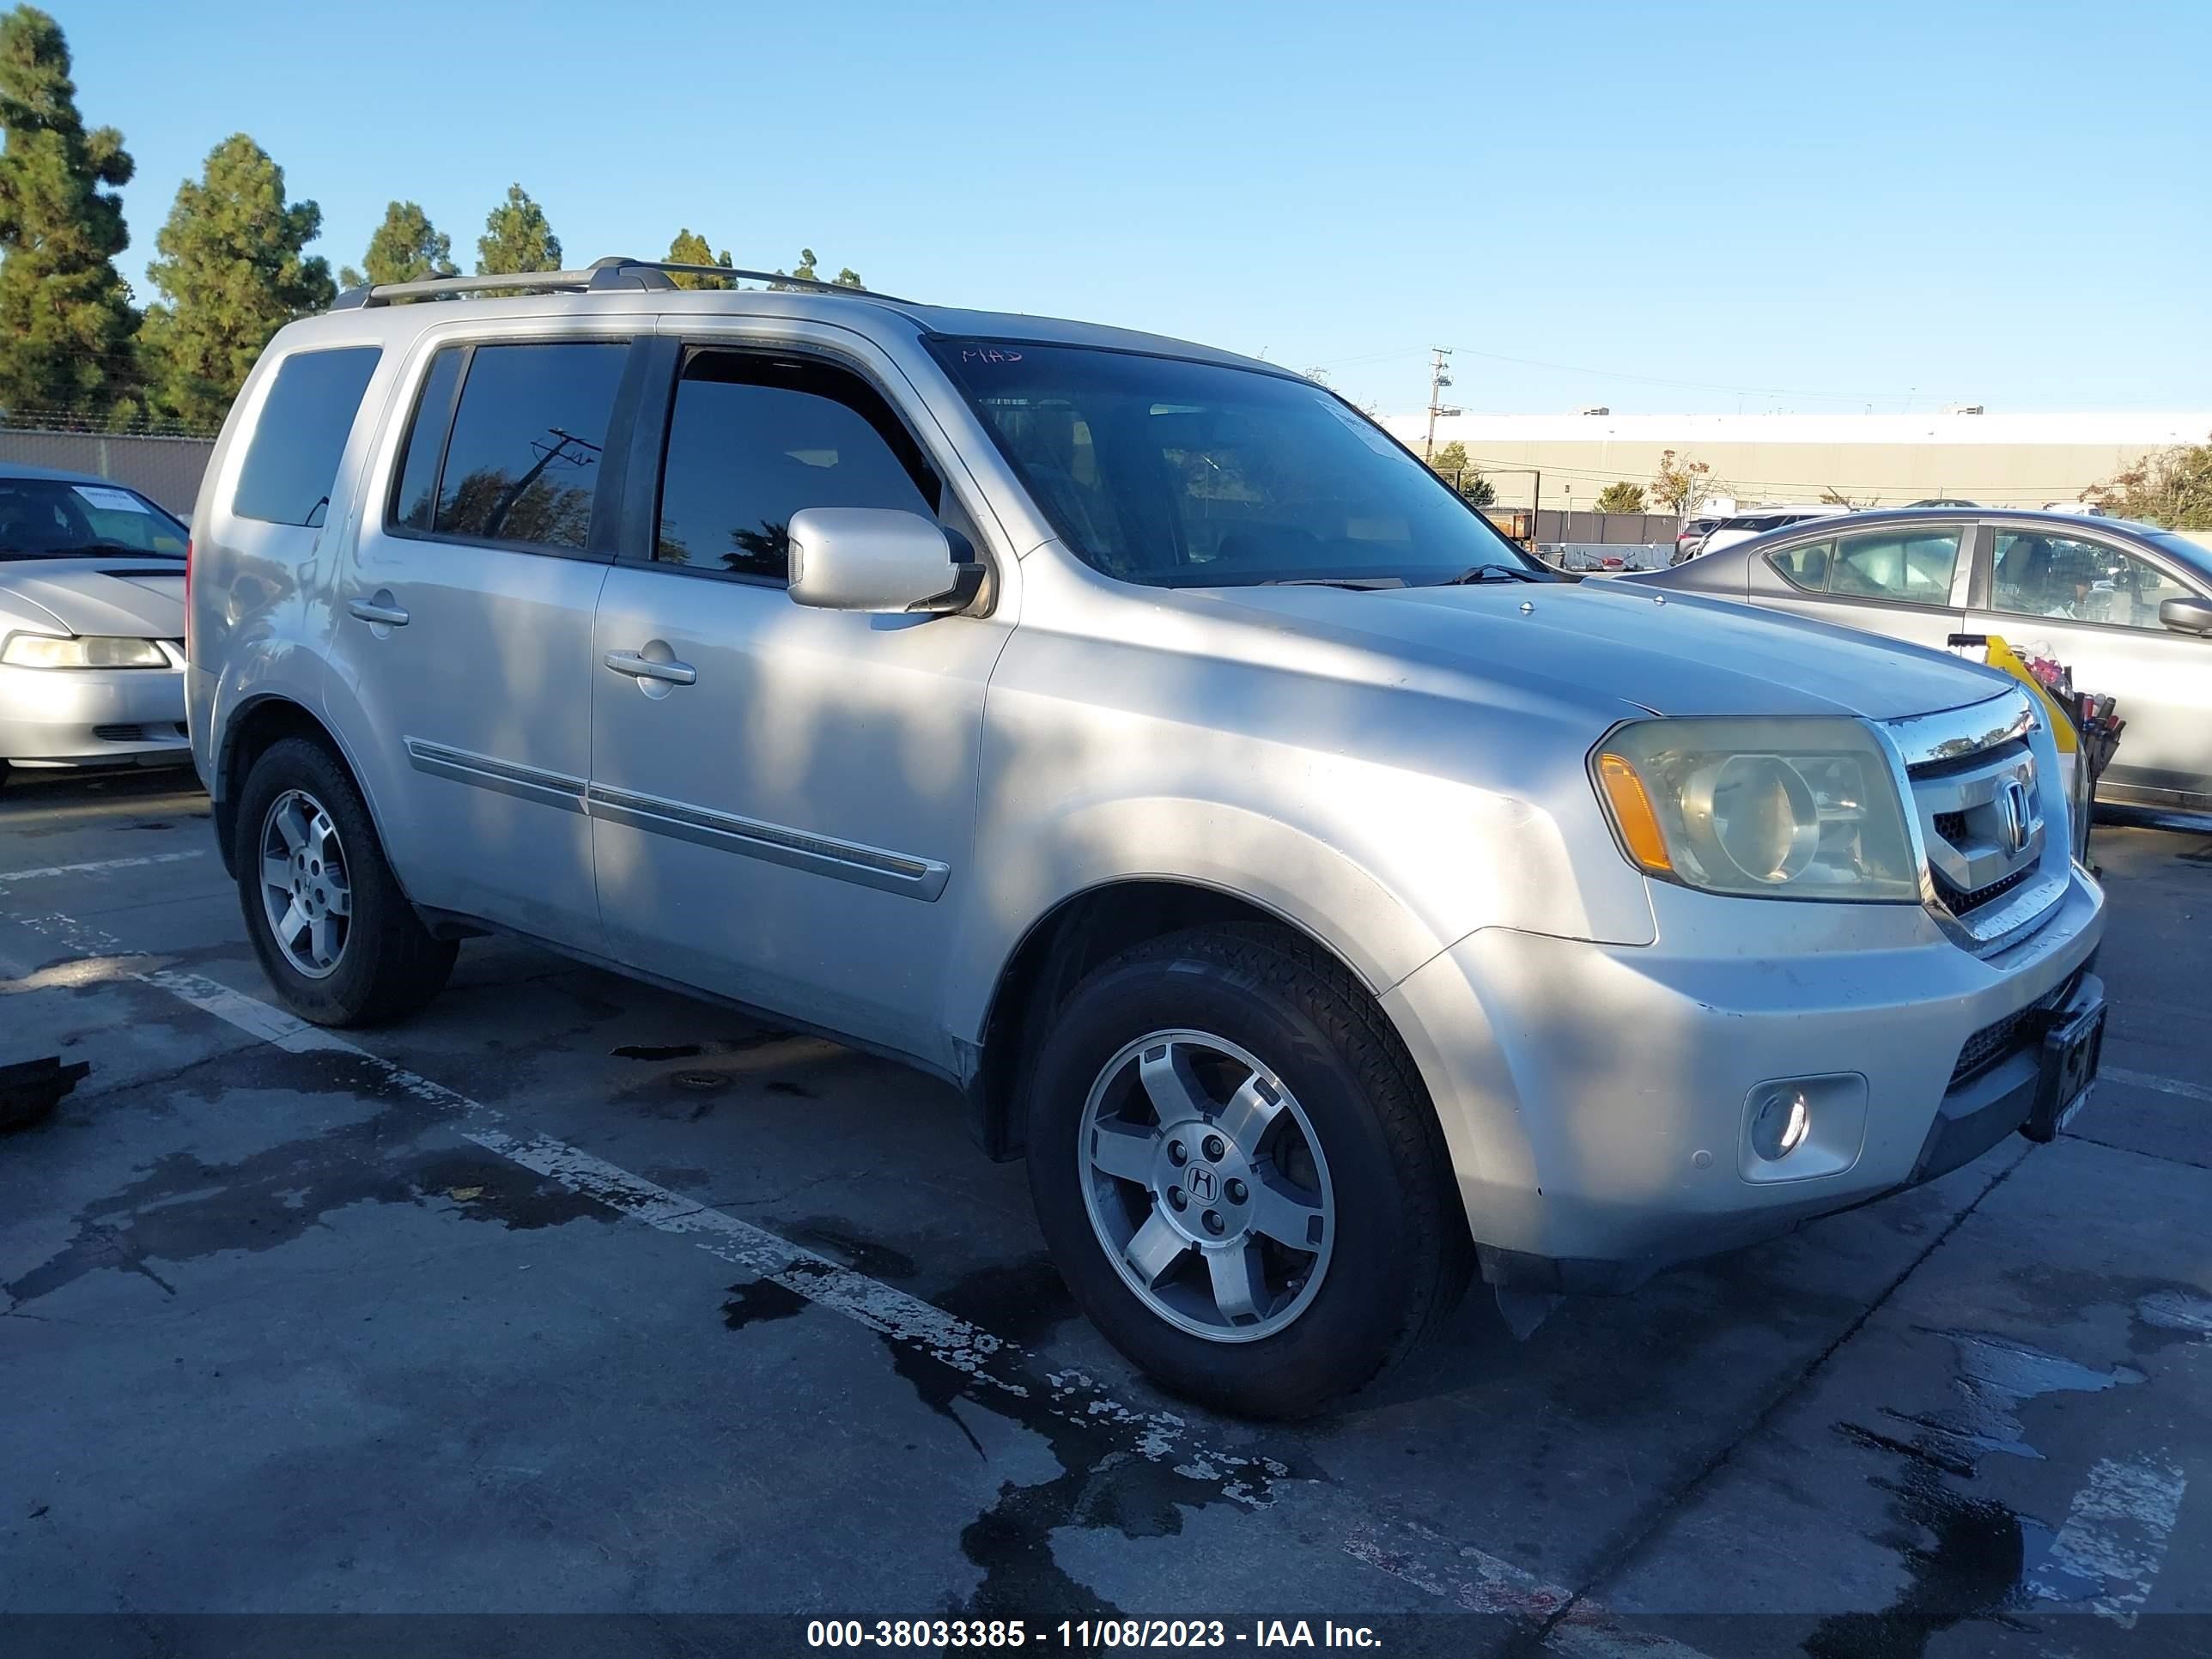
pixel 573 1296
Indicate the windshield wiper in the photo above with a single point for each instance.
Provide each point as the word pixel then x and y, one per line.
pixel 1483 573
pixel 1357 584
pixel 84 549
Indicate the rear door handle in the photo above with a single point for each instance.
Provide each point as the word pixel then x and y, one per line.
pixel 644 668
pixel 378 610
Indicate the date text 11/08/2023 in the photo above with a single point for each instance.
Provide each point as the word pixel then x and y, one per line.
pixel 1084 1635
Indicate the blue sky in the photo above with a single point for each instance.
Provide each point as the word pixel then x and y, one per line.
pixel 1659 207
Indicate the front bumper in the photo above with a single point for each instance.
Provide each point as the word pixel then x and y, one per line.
pixel 93 717
pixel 1596 1099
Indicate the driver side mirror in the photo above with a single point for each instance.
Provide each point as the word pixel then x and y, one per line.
pixel 878 558
pixel 2187 616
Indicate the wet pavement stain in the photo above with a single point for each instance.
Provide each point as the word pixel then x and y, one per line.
pixel 1967 1558
pixel 862 1254
pixel 736 1045
pixel 758 1300
pixel 181 1207
pixel 1022 1301
pixel 1975 1565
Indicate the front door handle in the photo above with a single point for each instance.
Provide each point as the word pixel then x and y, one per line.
pixel 644 668
pixel 378 610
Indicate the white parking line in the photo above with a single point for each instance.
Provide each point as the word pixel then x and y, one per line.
pixel 98 866
pixel 1461 1574
pixel 2108 1553
pixel 2164 1086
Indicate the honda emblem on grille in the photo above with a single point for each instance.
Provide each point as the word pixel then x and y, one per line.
pixel 2015 817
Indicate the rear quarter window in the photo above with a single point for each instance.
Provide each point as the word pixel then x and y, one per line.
pixel 292 458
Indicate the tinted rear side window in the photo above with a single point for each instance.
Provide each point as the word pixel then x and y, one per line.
pixel 292 460
pixel 523 461
pixel 418 494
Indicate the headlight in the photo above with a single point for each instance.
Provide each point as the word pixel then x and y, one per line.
pixel 95 651
pixel 1760 808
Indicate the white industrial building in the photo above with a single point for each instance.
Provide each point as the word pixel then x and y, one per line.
pixel 1993 459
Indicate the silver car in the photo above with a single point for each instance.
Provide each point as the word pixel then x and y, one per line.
pixel 2127 606
pixel 1328 900
pixel 92 623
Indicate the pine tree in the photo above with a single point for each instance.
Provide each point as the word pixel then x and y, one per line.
pixel 689 248
pixel 516 238
pixel 233 271
pixel 406 248
pixel 805 272
pixel 66 319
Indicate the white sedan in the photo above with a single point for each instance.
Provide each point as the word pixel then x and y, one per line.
pixel 92 624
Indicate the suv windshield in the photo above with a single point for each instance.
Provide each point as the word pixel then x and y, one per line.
pixel 1182 474
pixel 54 519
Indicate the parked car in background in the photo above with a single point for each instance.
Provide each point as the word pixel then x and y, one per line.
pixel 92 624
pixel 1330 900
pixel 1691 536
pixel 2127 606
pixel 1757 520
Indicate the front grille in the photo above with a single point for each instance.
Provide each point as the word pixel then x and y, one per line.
pixel 119 734
pixel 1995 1043
pixel 2001 1039
pixel 1966 769
pixel 1959 901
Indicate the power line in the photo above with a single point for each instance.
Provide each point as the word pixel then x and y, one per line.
pixel 1910 394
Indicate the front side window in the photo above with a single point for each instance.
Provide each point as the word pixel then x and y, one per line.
pixel 51 518
pixel 1911 566
pixel 1176 473
pixel 2072 578
pixel 291 463
pixel 753 439
pixel 524 453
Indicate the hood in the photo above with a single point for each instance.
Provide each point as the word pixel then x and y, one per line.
pixel 140 598
pixel 1691 655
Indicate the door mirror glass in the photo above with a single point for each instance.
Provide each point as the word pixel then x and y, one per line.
pixel 877 558
pixel 2189 615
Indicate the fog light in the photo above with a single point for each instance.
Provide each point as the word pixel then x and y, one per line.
pixel 1780 1122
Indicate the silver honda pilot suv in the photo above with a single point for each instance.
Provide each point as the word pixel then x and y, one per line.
pixel 1329 900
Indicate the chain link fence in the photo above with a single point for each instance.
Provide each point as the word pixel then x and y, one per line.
pixel 167 468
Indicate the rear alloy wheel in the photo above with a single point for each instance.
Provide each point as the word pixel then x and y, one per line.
pixel 1204 1186
pixel 1238 1172
pixel 337 937
pixel 306 894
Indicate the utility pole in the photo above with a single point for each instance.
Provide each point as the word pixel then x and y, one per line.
pixel 1437 381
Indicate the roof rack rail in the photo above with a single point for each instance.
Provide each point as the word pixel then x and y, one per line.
pixel 598 277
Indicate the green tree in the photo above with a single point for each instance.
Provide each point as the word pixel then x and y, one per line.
pixel 65 314
pixel 2169 487
pixel 1451 464
pixel 689 248
pixel 1681 485
pixel 516 238
pixel 406 248
pixel 806 272
pixel 1621 497
pixel 233 270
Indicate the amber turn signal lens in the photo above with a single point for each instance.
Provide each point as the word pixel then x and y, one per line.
pixel 1631 811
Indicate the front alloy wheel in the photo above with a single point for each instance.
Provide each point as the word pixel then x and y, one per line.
pixel 306 891
pixel 1204 1183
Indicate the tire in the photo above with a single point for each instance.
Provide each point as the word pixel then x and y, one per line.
pixel 381 961
pixel 1349 1154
